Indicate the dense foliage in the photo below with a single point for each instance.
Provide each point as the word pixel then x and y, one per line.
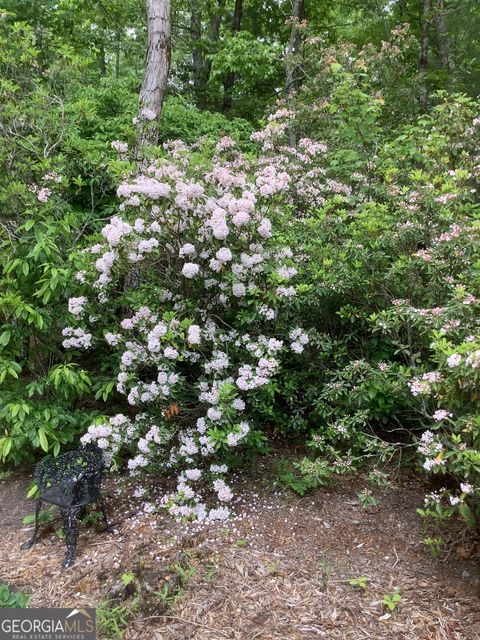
pixel 300 264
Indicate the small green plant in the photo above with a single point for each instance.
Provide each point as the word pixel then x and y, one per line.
pixel 367 499
pixel 167 596
pixel 13 599
pixel 175 583
pixel 241 542
pixel 304 475
pixel 296 483
pixel 360 583
pixel 184 572
pixel 210 573
pixel 92 518
pixel 45 516
pixel 33 491
pixel 434 545
pixel 391 601
pixel 127 578
pixel 113 620
pixel 378 478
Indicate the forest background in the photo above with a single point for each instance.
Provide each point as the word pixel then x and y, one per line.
pixel 367 115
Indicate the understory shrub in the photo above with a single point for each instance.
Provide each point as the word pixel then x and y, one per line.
pixel 393 277
pixel 191 287
pixel 191 294
pixel 60 166
pixel 316 280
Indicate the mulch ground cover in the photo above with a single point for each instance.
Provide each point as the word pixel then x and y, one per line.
pixel 282 568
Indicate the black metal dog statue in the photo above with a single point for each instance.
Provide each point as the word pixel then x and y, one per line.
pixel 71 481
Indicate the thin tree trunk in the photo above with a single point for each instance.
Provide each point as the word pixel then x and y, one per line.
pixel 424 45
pixel 215 20
pixel 38 38
pixel 117 55
pixel 197 54
pixel 292 75
pixel 157 67
pixel 101 60
pixel 229 81
pixel 443 39
pixel 202 66
pixel 152 92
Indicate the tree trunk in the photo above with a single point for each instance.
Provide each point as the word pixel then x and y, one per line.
pixel 424 44
pixel 152 92
pixel 292 75
pixel 229 81
pixel 117 55
pixel 215 20
pixel 202 66
pixel 38 37
pixel 443 40
pixel 101 60
pixel 197 54
pixel 157 66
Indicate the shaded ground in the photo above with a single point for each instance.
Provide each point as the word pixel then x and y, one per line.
pixel 281 569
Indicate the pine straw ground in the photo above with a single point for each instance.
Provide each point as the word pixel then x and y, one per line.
pixel 281 569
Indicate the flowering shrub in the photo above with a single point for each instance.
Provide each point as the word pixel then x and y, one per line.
pixel 191 287
pixel 437 332
pixel 325 291
pixel 392 284
pixel 450 447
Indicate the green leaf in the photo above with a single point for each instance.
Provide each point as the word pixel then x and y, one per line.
pixel 6 446
pixel 32 491
pixel 5 338
pixel 15 409
pixel 43 439
pixel 467 513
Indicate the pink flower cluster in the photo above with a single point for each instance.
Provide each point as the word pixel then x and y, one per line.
pixel 202 244
pixel 423 385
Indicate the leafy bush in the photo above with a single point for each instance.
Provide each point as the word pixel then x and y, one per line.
pixel 377 254
pixel 207 278
pixel 183 121
pixel 12 599
pixel 183 299
pixel 395 264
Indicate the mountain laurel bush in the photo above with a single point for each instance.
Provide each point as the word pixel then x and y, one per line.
pixel 193 289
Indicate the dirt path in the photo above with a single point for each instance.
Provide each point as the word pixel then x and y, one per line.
pixel 281 569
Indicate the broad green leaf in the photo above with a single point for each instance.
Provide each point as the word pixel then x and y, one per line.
pixel 43 439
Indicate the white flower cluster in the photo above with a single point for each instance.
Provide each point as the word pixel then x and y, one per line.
pixel 201 242
pixel 298 339
pixel 76 338
pixel 121 147
pixel 76 306
pixel 423 385
pixel 430 447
